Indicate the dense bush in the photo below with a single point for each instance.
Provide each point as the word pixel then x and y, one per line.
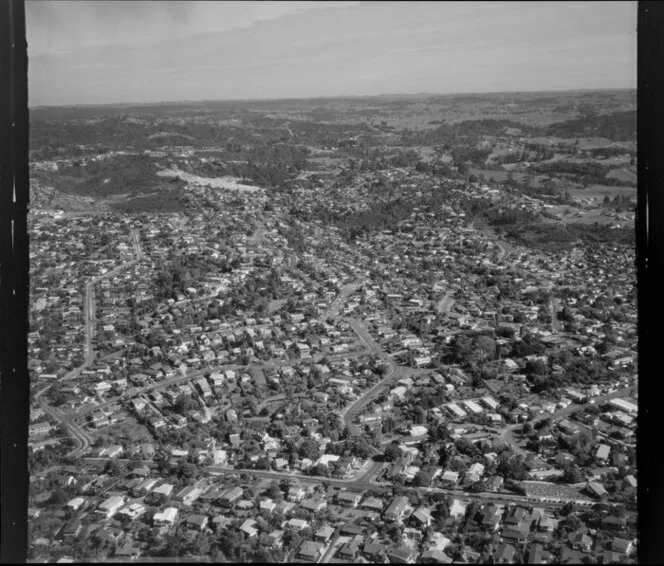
pixel 616 126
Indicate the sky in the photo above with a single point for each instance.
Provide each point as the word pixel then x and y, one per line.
pixel 99 52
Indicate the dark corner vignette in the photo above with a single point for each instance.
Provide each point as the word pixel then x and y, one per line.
pixel 649 246
pixel 14 189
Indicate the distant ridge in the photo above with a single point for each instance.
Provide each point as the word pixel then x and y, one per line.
pixel 384 96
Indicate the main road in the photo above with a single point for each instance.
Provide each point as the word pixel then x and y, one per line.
pixel 90 310
pixel 362 483
pixel 555 306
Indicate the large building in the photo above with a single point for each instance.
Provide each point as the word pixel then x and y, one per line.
pixel 624 405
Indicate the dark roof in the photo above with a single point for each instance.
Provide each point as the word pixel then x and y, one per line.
pixel 72 526
pixel 611 558
pixel 310 548
pixel 196 519
pixel 504 552
pixel 403 553
pixel 127 549
pixel 579 537
pixel 613 521
pixel 350 548
pixel 516 515
pixel 373 548
pixel 349 495
pixel 620 545
pixel 398 505
pixel 352 529
pixel 437 556
pixel 514 533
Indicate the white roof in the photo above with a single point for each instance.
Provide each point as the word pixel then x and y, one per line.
pixel 148 483
pixel 248 527
pixel 456 409
pixel 327 458
pixel 476 468
pixel 458 508
pixel 418 430
pixel 164 489
pixel 113 501
pixel 603 451
pixel 168 515
pixel 474 407
pixel 490 402
pixel 625 405
pixel 76 502
pixel 301 523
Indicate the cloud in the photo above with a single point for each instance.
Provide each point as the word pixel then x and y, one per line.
pixel 146 51
pixel 66 26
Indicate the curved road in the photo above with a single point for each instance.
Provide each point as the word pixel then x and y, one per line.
pixel 70 421
pixel 507 434
pixel 393 374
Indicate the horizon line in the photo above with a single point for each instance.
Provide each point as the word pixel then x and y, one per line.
pixel 333 97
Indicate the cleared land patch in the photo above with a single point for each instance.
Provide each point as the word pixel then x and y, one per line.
pixel 229 183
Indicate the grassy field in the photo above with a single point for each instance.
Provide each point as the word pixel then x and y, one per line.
pixel 599 191
pixel 130 431
pixel 327 161
pixel 167 200
pixel 572 215
pixel 623 175
pixel 584 143
pixel 601 215
pixel 500 176
pixel 489 175
pixel 594 143
pixel 527 118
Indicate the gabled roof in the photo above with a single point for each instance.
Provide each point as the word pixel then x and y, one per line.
pixel 621 545
pixel 403 553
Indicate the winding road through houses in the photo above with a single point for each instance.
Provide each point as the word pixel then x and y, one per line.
pixel 508 433
pixel 365 478
pixel 80 436
pixel 394 372
pixel 348 414
pixel 71 420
